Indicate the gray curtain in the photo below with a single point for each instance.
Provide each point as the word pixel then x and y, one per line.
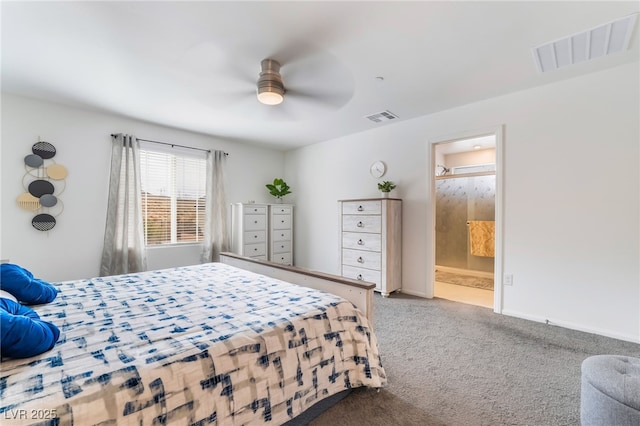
pixel 124 249
pixel 216 233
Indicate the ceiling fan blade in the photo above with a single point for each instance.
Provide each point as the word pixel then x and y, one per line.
pixel 224 76
pixel 329 98
pixel 320 78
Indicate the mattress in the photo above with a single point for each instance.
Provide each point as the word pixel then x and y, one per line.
pixel 198 345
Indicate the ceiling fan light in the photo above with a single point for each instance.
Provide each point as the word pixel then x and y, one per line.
pixel 270 86
pixel 270 96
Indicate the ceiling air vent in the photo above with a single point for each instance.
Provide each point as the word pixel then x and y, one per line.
pixel 604 40
pixel 382 116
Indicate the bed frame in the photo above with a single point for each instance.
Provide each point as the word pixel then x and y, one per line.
pixel 357 292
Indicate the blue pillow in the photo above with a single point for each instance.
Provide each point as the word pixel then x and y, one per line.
pixel 21 284
pixel 22 333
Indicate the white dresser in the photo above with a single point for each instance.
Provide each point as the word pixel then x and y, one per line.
pixel 249 225
pixel 281 233
pixel 263 231
pixel 372 242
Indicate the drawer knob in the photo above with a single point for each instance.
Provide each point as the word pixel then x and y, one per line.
pixel 360 225
pixel 360 208
pixel 360 260
pixel 281 246
pixel 359 277
pixel 360 242
pixel 255 221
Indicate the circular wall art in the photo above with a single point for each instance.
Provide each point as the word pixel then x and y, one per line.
pixel 40 187
pixel 28 202
pixel 44 150
pixel 43 222
pixel 48 200
pixel 33 160
pixel 47 182
pixel 57 171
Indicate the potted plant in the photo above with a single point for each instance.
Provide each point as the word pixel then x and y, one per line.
pixel 278 188
pixel 386 187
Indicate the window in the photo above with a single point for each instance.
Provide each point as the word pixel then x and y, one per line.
pixel 173 196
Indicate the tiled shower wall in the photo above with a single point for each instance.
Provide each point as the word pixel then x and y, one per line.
pixel 458 200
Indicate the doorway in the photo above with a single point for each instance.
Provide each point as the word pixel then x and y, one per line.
pixel 465 198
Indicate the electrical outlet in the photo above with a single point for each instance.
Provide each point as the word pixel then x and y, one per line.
pixel 508 279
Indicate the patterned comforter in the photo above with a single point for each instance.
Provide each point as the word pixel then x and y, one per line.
pixel 207 344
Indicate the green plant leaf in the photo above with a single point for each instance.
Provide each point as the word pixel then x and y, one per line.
pixel 386 186
pixel 279 188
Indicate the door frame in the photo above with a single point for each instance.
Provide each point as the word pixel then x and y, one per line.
pixel 498 131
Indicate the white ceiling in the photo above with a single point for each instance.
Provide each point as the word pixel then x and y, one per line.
pixel 194 65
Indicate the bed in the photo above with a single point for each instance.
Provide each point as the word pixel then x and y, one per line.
pixel 226 343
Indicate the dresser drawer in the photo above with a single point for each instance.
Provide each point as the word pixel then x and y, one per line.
pixel 281 210
pixel 255 210
pixel 281 235
pixel 281 221
pixel 254 222
pixel 281 246
pixel 362 207
pixel 258 249
pixel 362 259
pixel 283 258
pixel 361 241
pixel 255 237
pixel 361 224
pixel 361 274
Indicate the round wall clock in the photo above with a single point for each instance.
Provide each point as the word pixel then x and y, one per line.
pixel 377 169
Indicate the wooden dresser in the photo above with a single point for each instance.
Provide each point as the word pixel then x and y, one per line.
pixel 371 248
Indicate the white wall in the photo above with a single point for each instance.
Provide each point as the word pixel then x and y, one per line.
pixel 82 138
pixel 571 231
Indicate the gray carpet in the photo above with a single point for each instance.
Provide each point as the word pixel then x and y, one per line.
pixel 449 363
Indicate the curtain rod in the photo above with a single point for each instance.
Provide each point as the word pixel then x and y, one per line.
pixel 173 144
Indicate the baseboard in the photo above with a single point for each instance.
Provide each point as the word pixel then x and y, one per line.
pixel 572 326
pixel 415 293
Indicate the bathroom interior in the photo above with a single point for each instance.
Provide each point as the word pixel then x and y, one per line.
pixel 465 185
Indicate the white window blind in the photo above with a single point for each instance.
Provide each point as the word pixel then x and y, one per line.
pixel 173 197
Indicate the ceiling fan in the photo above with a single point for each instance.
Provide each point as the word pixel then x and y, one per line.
pixel 270 86
pixel 296 82
pixel 302 87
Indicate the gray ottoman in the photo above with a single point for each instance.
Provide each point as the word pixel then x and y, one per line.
pixel 610 393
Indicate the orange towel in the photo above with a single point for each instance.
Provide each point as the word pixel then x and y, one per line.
pixel 482 235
